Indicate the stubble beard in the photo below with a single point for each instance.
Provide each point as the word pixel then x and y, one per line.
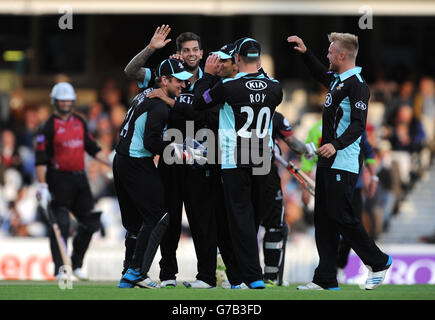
pixel 190 68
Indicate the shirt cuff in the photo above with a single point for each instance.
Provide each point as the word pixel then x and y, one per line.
pixel 336 144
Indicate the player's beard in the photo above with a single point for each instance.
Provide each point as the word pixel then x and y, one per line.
pixel 333 67
pixel 64 112
pixel 190 68
pixel 174 93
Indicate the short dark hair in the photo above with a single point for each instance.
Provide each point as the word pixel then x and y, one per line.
pixel 187 36
pixel 158 80
pixel 249 60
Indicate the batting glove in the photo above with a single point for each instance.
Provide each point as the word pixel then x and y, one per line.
pixel 310 152
pixel 43 195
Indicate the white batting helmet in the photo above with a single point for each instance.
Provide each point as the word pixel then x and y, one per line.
pixel 62 91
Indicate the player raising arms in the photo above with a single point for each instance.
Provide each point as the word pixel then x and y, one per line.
pixel 344 121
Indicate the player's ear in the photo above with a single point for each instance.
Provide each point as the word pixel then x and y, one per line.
pixel 237 57
pixel 201 53
pixel 343 54
pixel 165 81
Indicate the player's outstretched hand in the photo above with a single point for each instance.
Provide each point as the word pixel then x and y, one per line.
pixel 159 40
pixel 212 64
pixel 300 46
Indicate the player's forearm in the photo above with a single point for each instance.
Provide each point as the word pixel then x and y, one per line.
pixel 102 157
pixel 296 145
pixel 203 101
pixel 40 173
pixel 203 84
pixel 372 168
pixel 349 136
pixel 134 67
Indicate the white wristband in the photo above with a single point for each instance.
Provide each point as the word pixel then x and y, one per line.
pixel 375 178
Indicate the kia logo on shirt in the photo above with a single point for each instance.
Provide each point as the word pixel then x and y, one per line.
pixel 256 85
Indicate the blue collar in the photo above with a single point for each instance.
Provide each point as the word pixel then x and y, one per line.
pixel 200 73
pixel 240 75
pixel 347 74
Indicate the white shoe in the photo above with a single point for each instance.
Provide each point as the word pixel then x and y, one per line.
pixel 198 284
pixel 242 286
pixel 147 283
pixel 80 274
pixel 375 279
pixel 310 286
pixel 168 284
pixel 226 284
pixel 341 276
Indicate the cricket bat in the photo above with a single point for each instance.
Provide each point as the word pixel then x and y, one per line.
pixel 61 243
pixel 303 178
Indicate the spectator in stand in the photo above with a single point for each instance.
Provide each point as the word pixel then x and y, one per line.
pixel 43 112
pixel 425 109
pixel 389 189
pixel 132 91
pixel 407 141
pixel 408 133
pixel 110 95
pixel 381 89
pixel 10 161
pixel 25 140
pixel 117 116
pixel 405 96
pixel 95 114
pixel 16 227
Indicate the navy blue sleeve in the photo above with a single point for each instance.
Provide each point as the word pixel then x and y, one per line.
pixel 91 146
pixel 43 142
pixel 208 93
pixel 317 69
pixel 366 147
pixel 155 123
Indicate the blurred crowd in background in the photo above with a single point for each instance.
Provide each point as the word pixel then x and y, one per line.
pixel 400 127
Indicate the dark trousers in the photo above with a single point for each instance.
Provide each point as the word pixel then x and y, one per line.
pixel 343 246
pixel 223 231
pixel 243 193
pixel 192 186
pixel 334 215
pixel 140 195
pixel 71 193
pixel 273 217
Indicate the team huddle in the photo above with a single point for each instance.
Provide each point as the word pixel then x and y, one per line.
pixel 215 133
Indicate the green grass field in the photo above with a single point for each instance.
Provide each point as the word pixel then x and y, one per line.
pixel 40 290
